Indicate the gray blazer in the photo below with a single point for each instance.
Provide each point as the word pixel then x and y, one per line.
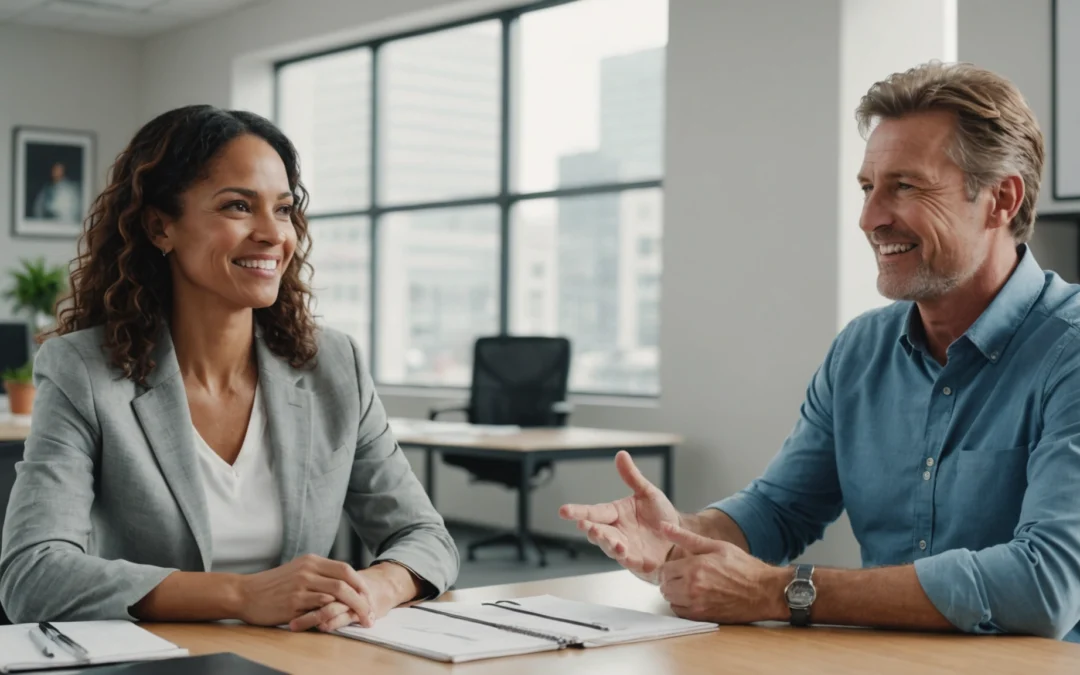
pixel 108 501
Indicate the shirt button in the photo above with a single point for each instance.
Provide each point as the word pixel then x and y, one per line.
pixel 926 475
pixel 929 461
pixel 947 391
pixel 922 544
pixel 993 356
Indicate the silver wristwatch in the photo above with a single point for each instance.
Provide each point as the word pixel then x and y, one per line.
pixel 800 595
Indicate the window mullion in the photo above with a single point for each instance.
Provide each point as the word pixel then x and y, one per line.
pixel 508 24
pixel 376 217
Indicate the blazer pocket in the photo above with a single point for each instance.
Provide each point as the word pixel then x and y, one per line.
pixel 335 461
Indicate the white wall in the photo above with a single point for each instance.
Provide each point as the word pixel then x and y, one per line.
pixel 1013 38
pixel 69 81
pixel 877 38
pixel 750 300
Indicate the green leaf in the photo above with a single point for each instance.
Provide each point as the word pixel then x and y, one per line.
pixel 37 287
pixel 24 374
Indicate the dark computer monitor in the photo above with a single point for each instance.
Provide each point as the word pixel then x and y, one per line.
pixel 14 345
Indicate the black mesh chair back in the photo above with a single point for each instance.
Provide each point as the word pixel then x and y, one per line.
pixel 516 381
pixel 519 380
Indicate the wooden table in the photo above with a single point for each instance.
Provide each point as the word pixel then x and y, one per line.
pixel 732 649
pixel 528 447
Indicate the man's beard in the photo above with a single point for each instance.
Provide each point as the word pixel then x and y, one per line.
pixel 925 284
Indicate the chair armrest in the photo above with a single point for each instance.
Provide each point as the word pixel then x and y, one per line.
pixel 434 413
pixel 562 410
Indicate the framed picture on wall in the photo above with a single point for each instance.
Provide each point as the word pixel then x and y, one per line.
pixel 52 175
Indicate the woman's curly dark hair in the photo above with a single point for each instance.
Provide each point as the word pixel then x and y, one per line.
pixel 121 281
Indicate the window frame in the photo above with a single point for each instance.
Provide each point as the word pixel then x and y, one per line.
pixel 505 199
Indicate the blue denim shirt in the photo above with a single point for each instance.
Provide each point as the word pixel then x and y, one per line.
pixel 971 470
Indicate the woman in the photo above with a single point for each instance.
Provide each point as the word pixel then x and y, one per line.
pixel 195 437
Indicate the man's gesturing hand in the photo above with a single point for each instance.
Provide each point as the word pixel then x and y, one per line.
pixel 629 530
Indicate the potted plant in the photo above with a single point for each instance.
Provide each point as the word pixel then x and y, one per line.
pixel 19 385
pixel 36 290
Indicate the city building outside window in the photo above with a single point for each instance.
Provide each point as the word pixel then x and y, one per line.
pixel 498 175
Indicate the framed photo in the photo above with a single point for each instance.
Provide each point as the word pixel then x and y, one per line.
pixel 52 173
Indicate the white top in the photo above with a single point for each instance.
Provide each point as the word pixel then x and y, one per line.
pixel 243 500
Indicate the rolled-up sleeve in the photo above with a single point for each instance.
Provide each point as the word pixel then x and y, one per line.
pixel 1030 584
pixel 386 504
pixel 798 496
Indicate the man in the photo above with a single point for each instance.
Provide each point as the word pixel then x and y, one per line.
pixel 947 424
pixel 60 199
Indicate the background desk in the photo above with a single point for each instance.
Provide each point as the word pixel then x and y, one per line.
pixel 529 446
pixel 736 649
pixel 12 431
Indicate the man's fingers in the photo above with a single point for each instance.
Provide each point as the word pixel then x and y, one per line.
pixel 673 571
pixel 630 474
pixel 690 541
pixel 604 514
pixel 605 536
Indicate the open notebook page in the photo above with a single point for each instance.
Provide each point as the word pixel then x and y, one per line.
pixel 455 638
pixel 443 638
pixel 107 642
pixel 623 625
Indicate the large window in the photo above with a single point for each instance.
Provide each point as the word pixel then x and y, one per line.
pixel 497 175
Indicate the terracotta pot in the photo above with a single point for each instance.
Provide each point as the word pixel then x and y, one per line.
pixel 20 397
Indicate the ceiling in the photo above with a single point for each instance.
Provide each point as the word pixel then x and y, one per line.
pixel 126 18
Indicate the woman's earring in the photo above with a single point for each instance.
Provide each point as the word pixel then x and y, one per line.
pixel 164 253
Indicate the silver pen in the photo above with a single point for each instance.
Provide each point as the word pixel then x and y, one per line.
pixel 42 642
pixel 60 640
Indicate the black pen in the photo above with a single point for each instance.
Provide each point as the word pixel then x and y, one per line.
pixel 54 634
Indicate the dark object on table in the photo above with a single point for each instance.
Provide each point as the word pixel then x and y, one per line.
pixel 208 664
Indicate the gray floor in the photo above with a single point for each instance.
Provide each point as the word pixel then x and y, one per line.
pixel 499 564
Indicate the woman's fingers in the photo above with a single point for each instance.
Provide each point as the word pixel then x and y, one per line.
pixel 359 603
pixel 339 621
pixel 318 617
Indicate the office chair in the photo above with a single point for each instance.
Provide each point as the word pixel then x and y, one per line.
pixel 10 453
pixel 518 381
pixel 14 345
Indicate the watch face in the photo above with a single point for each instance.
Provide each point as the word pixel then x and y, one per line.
pixel 801 594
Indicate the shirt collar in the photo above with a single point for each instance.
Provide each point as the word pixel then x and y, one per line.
pixel 912 336
pixel 996 326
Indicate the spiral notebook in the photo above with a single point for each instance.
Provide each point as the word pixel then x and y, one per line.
pixel 456 632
